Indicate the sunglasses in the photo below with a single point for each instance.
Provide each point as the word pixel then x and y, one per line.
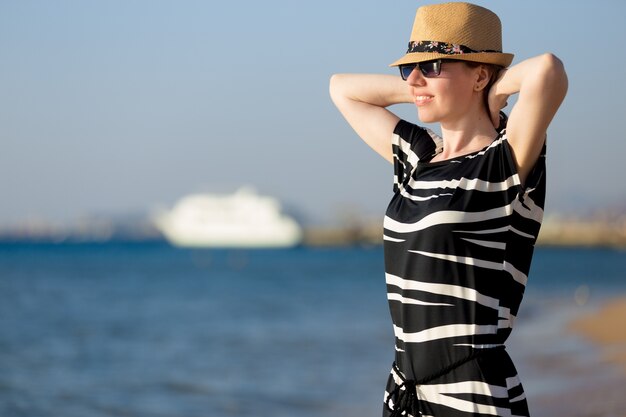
pixel 430 69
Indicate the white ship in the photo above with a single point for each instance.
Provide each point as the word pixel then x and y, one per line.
pixel 243 219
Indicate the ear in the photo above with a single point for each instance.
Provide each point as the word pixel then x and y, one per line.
pixel 483 75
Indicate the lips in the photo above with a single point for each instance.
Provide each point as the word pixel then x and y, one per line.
pixel 423 99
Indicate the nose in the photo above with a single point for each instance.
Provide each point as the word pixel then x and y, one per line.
pixel 416 77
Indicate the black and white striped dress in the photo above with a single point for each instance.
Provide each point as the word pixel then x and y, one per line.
pixel 459 238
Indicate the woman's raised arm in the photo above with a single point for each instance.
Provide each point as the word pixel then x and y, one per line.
pixel 542 84
pixel 362 99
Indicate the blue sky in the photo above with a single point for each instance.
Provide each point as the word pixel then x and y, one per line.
pixel 109 107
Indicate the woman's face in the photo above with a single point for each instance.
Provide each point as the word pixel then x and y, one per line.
pixel 447 97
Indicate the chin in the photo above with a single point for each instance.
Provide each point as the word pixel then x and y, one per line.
pixel 426 116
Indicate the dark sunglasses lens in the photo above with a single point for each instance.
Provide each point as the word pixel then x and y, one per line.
pixel 431 68
pixel 406 70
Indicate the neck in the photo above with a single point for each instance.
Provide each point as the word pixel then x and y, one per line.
pixel 466 134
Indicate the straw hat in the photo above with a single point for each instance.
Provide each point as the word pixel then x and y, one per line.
pixel 460 31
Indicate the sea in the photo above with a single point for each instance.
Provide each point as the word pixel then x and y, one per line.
pixel 149 330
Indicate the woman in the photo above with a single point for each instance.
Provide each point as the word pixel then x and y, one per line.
pixel 467 206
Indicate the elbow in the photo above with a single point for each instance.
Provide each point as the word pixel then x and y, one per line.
pixel 553 73
pixel 334 86
pixel 552 65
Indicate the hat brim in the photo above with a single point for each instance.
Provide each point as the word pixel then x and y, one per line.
pixel 497 58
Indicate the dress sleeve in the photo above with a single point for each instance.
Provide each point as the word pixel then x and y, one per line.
pixel 529 202
pixel 534 192
pixel 411 143
pixel 535 184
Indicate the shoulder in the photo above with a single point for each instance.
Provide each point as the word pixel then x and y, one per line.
pixel 422 141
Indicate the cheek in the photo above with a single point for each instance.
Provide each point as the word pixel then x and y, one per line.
pixel 461 82
pixel 460 91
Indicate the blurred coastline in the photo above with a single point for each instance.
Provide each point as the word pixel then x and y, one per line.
pixel 604 228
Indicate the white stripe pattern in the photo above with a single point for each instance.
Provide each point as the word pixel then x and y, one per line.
pixel 466 184
pixel 438 394
pixel 392 296
pixel 446 217
pixel 498 230
pixel 456 291
pixel 462 259
pixel 443 332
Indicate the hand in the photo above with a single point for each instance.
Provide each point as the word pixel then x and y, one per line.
pixel 496 101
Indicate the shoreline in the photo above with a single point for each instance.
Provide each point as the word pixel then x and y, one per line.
pixel 572 358
pixel 606 329
pixel 603 230
pixel 597 373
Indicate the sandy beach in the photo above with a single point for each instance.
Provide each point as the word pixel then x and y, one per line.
pixel 598 381
pixel 607 328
